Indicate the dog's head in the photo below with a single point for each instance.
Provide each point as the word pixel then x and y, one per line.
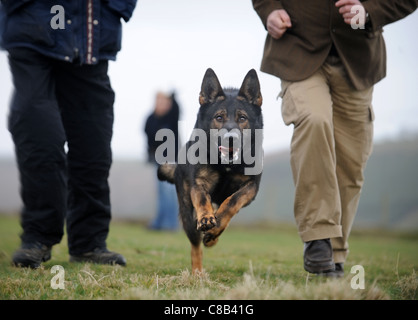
pixel 228 114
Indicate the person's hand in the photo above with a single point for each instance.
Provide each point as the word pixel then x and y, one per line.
pixel 277 23
pixel 345 9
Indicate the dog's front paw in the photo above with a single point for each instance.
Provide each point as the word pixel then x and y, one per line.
pixel 206 223
pixel 210 239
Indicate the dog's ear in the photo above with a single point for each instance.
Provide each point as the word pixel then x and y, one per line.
pixel 250 89
pixel 211 89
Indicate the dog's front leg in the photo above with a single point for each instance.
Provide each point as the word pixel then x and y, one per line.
pixel 203 205
pixel 228 209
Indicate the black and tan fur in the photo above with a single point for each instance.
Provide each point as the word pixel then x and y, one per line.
pixel 211 194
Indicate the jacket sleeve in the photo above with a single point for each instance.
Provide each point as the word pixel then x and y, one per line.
pixel 383 12
pixel 124 7
pixel 265 7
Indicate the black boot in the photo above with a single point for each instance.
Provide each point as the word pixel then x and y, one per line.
pixel 338 272
pixel 100 256
pixel 31 255
pixel 318 256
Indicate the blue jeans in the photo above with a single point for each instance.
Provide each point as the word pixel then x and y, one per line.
pixel 167 214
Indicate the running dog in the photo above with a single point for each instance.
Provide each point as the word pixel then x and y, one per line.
pixel 219 169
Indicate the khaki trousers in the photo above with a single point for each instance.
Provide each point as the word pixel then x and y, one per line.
pixel 332 140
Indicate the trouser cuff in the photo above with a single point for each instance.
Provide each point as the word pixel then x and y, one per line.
pixel 340 255
pixel 321 233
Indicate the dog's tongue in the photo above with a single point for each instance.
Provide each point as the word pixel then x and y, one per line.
pixel 225 150
pixel 229 154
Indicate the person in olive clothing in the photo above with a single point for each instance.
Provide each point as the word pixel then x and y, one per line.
pixel 328 55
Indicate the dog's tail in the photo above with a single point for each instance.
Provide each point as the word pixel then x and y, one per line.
pixel 166 172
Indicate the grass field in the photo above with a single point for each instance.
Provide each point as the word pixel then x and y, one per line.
pixel 247 263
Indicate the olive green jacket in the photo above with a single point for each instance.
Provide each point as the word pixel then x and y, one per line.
pixel 316 25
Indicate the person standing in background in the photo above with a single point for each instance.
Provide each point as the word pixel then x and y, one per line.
pixel 58 56
pixel 328 55
pixel 165 116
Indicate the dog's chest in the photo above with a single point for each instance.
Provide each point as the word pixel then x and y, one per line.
pixel 227 184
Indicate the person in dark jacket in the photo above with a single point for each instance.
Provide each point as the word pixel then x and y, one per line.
pixel 58 56
pixel 165 116
pixel 328 55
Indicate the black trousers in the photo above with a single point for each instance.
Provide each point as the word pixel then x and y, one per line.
pixel 55 102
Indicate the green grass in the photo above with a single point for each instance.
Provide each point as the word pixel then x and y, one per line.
pixel 247 263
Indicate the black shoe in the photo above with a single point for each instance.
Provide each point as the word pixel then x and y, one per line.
pixel 100 256
pixel 337 273
pixel 31 255
pixel 317 256
pixel 339 268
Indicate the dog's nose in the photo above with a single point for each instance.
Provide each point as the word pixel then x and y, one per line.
pixel 231 136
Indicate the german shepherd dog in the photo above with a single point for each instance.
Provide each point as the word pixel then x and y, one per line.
pixel 216 179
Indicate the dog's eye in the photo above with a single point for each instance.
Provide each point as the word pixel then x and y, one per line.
pixel 242 119
pixel 219 118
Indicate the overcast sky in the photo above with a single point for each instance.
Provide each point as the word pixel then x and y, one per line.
pixel 170 44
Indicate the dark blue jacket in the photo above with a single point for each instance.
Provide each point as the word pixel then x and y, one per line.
pixel 82 30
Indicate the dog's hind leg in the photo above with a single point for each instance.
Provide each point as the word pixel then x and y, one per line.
pixel 197 256
pixel 194 235
pixel 195 238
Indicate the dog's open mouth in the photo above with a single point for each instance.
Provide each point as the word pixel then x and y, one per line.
pixel 229 154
